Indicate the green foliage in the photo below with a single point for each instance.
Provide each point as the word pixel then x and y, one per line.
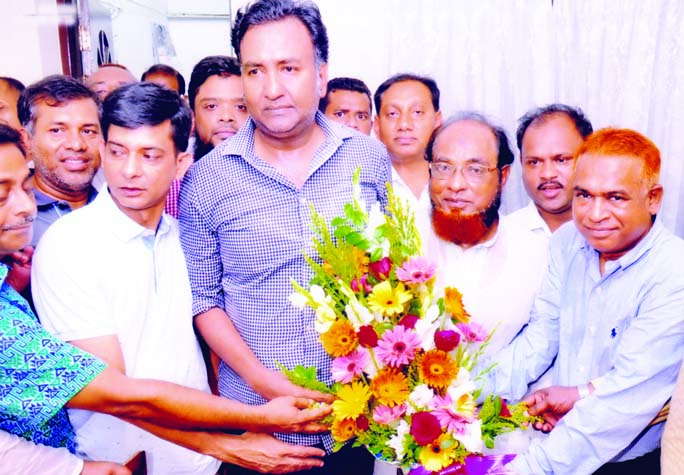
pixel 400 230
pixel 495 424
pixel 374 438
pixel 305 377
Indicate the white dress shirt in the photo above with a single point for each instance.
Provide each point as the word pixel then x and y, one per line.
pixel 99 273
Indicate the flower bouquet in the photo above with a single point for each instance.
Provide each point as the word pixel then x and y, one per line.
pixel 403 354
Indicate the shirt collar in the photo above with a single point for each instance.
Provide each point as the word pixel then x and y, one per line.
pixel 634 254
pixel 45 201
pixel 535 220
pixel 242 143
pixel 123 227
pixel 4 269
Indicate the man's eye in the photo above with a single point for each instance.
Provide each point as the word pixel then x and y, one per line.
pixel 476 170
pixel 339 114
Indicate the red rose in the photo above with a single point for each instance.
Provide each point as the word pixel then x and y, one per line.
pixel 381 269
pixel 447 340
pixel 409 321
pixel 368 337
pixel 362 422
pixel 425 428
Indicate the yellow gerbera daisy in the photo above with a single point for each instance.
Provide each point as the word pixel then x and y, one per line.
pixel 434 457
pixel 453 303
pixel 390 387
pixel 437 369
pixel 340 339
pixel 352 400
pixel 388 301
pixel 343 429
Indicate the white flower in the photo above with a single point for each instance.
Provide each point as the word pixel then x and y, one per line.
pixel 472 437
pixel 298 300
pixel 461 385
pixel 358 314
pixel 325 317
pixel 426 328
pixel 421 397
pixel 370 370
pixel 396 442
pixel 318 295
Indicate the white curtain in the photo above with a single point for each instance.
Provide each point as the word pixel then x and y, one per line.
pixel 622 62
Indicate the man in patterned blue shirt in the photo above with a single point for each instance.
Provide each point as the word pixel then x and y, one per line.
pixel 245 211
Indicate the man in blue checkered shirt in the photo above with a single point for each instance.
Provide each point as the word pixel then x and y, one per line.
pixel 245 212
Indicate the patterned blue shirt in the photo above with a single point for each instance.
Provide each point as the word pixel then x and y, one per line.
pixel 39 374
pixel 623 331
pixel 244 229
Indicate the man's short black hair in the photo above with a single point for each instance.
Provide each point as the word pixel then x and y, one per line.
pixel 207 67
pixel 54 91
pixel 9 135
pixel 266 11
pixel 541 114
pixel 345 84
pixel 505 154
pixel 430 83
pixel 169 71
pixel 145 103
pixel 15 84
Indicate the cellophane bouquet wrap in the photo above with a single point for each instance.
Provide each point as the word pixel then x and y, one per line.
pixel 403 354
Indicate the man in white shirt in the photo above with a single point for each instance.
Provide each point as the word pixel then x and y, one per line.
pixel 407 108
pixel 548 139
pixel 111 279
pixel 497 268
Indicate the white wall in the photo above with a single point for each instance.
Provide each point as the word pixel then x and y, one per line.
pixel 29 41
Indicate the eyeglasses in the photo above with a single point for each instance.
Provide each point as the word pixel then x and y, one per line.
pixel 472 172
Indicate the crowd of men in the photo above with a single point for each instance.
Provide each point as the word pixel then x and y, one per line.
pixel 137 224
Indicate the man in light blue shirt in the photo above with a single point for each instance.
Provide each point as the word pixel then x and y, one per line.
pixel 610 311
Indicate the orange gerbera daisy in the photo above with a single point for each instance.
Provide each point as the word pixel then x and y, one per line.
pixel 453 303
pixel 390 387
pixel 343 429
pixel 360 259
pixel 340 339
pixel 437 369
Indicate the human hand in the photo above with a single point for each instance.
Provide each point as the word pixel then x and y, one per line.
pixel 293 414
pixel 19 275
pixel 552 404
pixel 272 384
pixel 264 453
pixel 104 468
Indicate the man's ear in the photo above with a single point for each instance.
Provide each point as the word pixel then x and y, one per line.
pixel 183 162
pixel 655 199
pixel 438 119
pixel 322 80
pixel 505 173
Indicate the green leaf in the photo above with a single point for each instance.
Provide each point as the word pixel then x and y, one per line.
pixel 305 377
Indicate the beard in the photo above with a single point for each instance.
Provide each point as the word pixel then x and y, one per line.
pixel 465 229
pixel 201 148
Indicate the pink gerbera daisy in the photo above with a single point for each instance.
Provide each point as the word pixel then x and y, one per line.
pixel 472 332
pixel 416 270
pixel 345 368
pixel 453 417
pixel 386 415
pixel 398 346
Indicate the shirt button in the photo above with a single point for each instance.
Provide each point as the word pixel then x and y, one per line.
pixel 302 201
pixel 592 330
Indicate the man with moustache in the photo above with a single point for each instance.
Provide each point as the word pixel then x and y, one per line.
pixel 407 108
pixel 548 138
pixel 610 313
pixel 62 118
pixel 476 250
pixel 245 213
pixel 348 101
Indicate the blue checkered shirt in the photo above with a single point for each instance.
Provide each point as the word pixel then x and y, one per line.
pixel 244 227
